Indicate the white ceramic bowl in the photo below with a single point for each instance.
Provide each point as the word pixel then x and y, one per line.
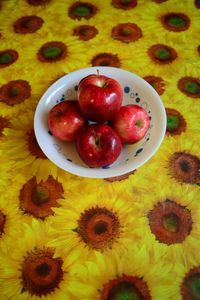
pixel 136 91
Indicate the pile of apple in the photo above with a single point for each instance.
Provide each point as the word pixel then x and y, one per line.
pixel 97 121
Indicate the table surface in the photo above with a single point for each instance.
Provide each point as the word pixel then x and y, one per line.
pixel 131 237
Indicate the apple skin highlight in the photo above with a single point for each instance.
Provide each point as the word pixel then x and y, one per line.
pixel 98 145
pixel 65 120
pixel 131 123
pixel 100 97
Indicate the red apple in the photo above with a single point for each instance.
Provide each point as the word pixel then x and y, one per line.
pixel 131 123
pixel 98 145
pixel 65 120
pixel 100 97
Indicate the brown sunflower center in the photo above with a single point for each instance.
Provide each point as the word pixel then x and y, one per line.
pixel 33 146
pixel 85 32
pixel 156 82
pixel 80 10
pixel 98 227
pixel 52 51
pixel 176 123
pixel 125 288
pixel 197 3
pixel 126 32
pixel 41 273
pixel 124 4
pixel 4 123
pixel 106 59
pixel 190 86
pixel 40 195
pixel 2 222
pixel 185 167
pixel 175 22
pixel 190 288
pixel 38 199
pixel 43 269
pixel 170 222
pixel 198 49
pixel 28 24
pixel 15 92
pixel 8 57
pixel 162 54
pixel 38 2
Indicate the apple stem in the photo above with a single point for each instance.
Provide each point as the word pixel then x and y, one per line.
pixel 97 141
pixel 138 122
pixel 98 72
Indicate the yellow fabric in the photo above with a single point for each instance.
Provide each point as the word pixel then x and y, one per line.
pixel 135 250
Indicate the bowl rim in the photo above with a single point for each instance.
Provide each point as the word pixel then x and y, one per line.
pixel 98 172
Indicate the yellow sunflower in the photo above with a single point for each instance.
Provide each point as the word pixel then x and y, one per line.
pixel 25 86
pixel 5 164
pixel 32 271
pixel 171 222
pixel 48 81
pixel 162 54
pixel 38 86
pixel 89 10
pixel 79 183
pixel 24 71
pixel 36 5
pixel 20 92
pixel 10 218
pixel 21 148
pixel 4 123
pixel 133 183
pixel 186 83
pixel 58 13
pixel 56 53
pixel 53 19
pixel 94 222
pixel 10 56
pixel 178 161
pixel 109 55
pixel 37 22
pixel 129 8
pixel 23 24
pixel 148 173
pixel 177 21
pixel 132 276
pixel 186 285
pixel 125 30
pixel 89 32
pixel 36 197
pixel 5 171
pixel 182 117
pixel 156 78
pixel 140 33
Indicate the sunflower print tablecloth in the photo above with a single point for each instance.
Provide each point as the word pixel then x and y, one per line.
pixel 132 237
